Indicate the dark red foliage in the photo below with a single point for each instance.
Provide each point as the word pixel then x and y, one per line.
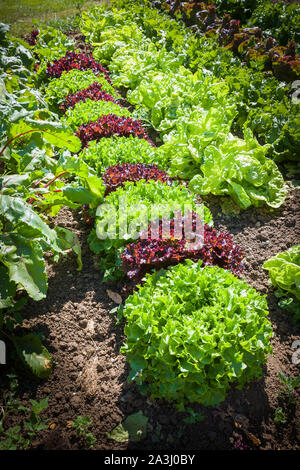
pixel 111 125
pixel 72 60
pixel 32 39
pixel 249 43
pixel 117 175
pixel 93 92
pixel 213 248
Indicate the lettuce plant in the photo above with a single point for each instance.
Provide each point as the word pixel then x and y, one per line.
pixel 94 92
pixel 51 44
pixel 72 82
pixel 284 272
pixel 240 169
pixel 193 332
pixel 131 63
pixel 127 212
pixel 71 61
pixel 98 18
pixel 110 151
pixel 117 37
pixel 147 254
pixel 88 111
pixel 111 125
pixel 32 38
pixel 116 175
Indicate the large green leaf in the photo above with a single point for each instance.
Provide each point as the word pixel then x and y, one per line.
pixel 32 352
pixel 25 263
pixel 7 288
pixel 69 240
pixel 13 181
pixel 52 131
pixel 133 429
pixel 16 210
pixel 79 195
pixel 284 270
pixel 75 165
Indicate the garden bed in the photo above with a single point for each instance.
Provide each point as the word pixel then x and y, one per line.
pixel 77 322
pixel 90 376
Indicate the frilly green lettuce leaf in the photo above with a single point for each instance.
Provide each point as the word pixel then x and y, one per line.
pixel 192 332
pixel 284 270
pixel 239 168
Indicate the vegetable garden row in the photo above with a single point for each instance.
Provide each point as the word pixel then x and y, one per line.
pixel 197 122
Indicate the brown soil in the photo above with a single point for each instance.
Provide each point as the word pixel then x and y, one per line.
pixel 90 374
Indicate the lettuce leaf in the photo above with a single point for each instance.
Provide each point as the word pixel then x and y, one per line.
pixel 284 270
pixel 89 111
pixel 240 169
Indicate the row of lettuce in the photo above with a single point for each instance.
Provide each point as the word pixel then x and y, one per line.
pixel 193 112
pixel 279 19
pixel 155 345
pixel 184 326
pixel 177 321
pixel 263 104
pixel 252 44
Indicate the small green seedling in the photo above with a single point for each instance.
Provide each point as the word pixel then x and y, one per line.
pixel 194 417
pixel 287 391
pixel 81 426
pixel 280 417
